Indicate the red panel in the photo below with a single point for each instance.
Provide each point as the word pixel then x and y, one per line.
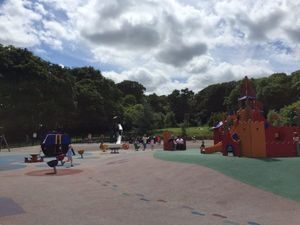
pixel 257 116
pixel 217 135
pixel 279 141
pixel 168 145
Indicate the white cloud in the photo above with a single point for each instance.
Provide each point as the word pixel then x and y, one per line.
pixel 39 8
pixel 199 65
pixel 16 24
pixel 163 44
pixel 224 72
pixel 153 81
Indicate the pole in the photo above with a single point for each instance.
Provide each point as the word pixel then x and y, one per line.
pixel 3 139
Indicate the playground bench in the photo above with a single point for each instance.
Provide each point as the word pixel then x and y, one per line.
pixel 114 149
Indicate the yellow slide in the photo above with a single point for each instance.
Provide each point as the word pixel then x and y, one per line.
pixel 215 148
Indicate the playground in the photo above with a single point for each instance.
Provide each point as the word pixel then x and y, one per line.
pixel 148 187
pixel 247 175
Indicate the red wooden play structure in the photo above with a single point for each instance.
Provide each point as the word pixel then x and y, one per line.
pixel 247 133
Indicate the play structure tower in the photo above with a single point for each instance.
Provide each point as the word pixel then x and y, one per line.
pixel 247 133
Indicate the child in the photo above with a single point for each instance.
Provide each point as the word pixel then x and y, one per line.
pixel 70 155
pixel 202 147
pixel 136 144
pixel 152 143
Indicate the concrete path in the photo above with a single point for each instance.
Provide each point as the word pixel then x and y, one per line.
pixel 134 188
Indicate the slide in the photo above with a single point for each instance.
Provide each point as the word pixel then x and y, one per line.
pixel 212 149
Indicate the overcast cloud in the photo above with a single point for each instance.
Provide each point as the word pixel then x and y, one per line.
pixel 162 44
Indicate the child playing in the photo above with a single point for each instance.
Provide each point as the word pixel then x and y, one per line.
pixel 202 147
pixel 69 155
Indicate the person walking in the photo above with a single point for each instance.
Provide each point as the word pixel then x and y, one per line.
pixel 144 140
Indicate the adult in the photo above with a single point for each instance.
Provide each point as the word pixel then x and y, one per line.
pixel 179 143
pixel 144 141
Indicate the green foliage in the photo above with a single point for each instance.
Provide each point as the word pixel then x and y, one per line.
pixel 231 100
pixel 159 120
pixel 213 99
pixel 295 81
pixel 158 103
pixel 129 100
pixel 131 114
pixel 39 96
pixel 216 117
pixel 170 120
pixel 134 88
pixel 290 115
pixel 139 118
pixel 145 120
pixel 183 128
pixel 36 95
pixel 199 132
pixel 274 118
pixel 275 91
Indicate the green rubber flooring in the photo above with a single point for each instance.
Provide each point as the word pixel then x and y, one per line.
pixel 280 176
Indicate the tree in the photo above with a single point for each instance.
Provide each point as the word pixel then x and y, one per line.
pixel 290 114
pixel 213 99
pixel 98 101
pixel 274 118
pixel 158 103
pixel 139 118
pixel 216 117
pixel 295 80
pixel 129 100
pixel 180 103
pixel 275 91
pixel 134 88
pixel 159 120
pixel 170 120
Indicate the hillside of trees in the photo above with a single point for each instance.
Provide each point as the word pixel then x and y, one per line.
pixel 36 95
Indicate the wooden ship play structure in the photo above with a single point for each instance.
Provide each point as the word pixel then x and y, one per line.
pixel 246 133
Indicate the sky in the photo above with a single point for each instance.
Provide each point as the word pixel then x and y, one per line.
pixel 162 44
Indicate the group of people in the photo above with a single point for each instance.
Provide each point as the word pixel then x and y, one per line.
pixel 178 143
pixel 145 140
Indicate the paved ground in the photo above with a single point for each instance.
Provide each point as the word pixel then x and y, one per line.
pixel 276 175
pixel 132 188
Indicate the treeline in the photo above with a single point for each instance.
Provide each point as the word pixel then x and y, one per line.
pixel 38 96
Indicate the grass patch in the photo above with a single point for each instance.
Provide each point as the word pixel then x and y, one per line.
pixel 199 132
pixel 277 175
